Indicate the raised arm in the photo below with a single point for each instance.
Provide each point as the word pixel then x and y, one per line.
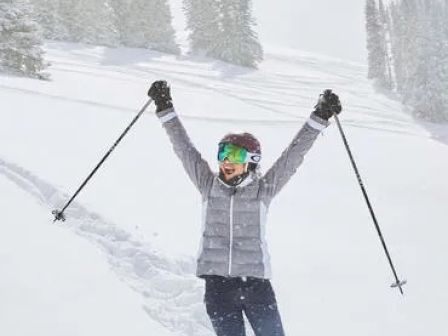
pixel 292 157
pixel 196 167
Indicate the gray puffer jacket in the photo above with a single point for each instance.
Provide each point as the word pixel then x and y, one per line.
pixel 233 240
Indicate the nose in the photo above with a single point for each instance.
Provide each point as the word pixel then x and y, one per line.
pixel 226 163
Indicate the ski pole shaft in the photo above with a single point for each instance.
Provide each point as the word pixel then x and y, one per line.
pixel 397 283
pixel 59 214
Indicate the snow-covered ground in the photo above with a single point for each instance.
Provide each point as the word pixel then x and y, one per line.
pixel 123 262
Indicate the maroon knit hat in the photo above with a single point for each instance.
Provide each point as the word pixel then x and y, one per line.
pixel 245 140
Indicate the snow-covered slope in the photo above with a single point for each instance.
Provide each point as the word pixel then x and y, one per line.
pixel 124 259
pixel 54 282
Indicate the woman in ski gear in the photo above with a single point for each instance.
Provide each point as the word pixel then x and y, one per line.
pixel 233 258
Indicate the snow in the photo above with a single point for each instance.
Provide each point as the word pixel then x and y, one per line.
pixel 123 262
pixel 56 283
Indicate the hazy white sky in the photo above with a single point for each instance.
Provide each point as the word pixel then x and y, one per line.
pixel 330 27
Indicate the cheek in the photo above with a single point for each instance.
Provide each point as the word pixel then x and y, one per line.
pixel 224 167
pixel 241 169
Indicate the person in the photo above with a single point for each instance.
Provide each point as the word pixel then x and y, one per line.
pixel 233 258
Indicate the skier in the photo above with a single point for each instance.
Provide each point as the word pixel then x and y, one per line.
pixel 233 258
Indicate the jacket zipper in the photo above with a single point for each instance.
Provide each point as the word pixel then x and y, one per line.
pixel 231 232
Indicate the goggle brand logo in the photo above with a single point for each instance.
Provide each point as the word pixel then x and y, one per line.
pixel 255 158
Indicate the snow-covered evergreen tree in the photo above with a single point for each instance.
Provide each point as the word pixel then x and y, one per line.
pixel 123 20
pixel 20 39
pixel 89 21
pixel 384 20
pixel 398 45
pixel 237 42
pixel 419 38
pixel 376 45
pixel 47 13
pixel 134 23
pixel 203 22
pixel 427 86
pixel 412 39
pixel 151 26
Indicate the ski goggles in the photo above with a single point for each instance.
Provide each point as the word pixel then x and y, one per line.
pixel 236 154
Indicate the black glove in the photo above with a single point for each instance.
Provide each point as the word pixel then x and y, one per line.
pixel 328 105
pixel 160 93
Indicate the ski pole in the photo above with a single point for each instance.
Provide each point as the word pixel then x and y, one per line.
pixel 59 214
pixel 397 282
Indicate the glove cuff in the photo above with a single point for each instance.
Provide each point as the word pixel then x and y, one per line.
pixel 317 122
pixel 166 115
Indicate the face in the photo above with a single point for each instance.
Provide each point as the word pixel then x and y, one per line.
pixel 231 170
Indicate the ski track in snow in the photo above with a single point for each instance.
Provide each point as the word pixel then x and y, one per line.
pixel 172 294
pixel 245 92
pixel 257 89
pixel 67 99
pixel 255 96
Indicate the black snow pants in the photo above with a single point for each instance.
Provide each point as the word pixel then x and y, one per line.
pixel 226 300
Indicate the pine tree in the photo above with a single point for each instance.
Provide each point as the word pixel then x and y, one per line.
pixel 398 44
pixel 443 57
pixel 203 22
pixel 413 39
pixel 88 21
pixel 47 13
pixel 384 20
pixel 237 42
pixel 376 45
pixel 123 19
pixel 419 37
pixel 151 26
pixel 20 39
pixel 428 84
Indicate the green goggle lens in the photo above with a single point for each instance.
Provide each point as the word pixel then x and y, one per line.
pixel 233 153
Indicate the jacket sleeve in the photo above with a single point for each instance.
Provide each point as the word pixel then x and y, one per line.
pixel 196 167
pixel 291 158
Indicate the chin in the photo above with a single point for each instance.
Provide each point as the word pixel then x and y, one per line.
pixel 228 176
